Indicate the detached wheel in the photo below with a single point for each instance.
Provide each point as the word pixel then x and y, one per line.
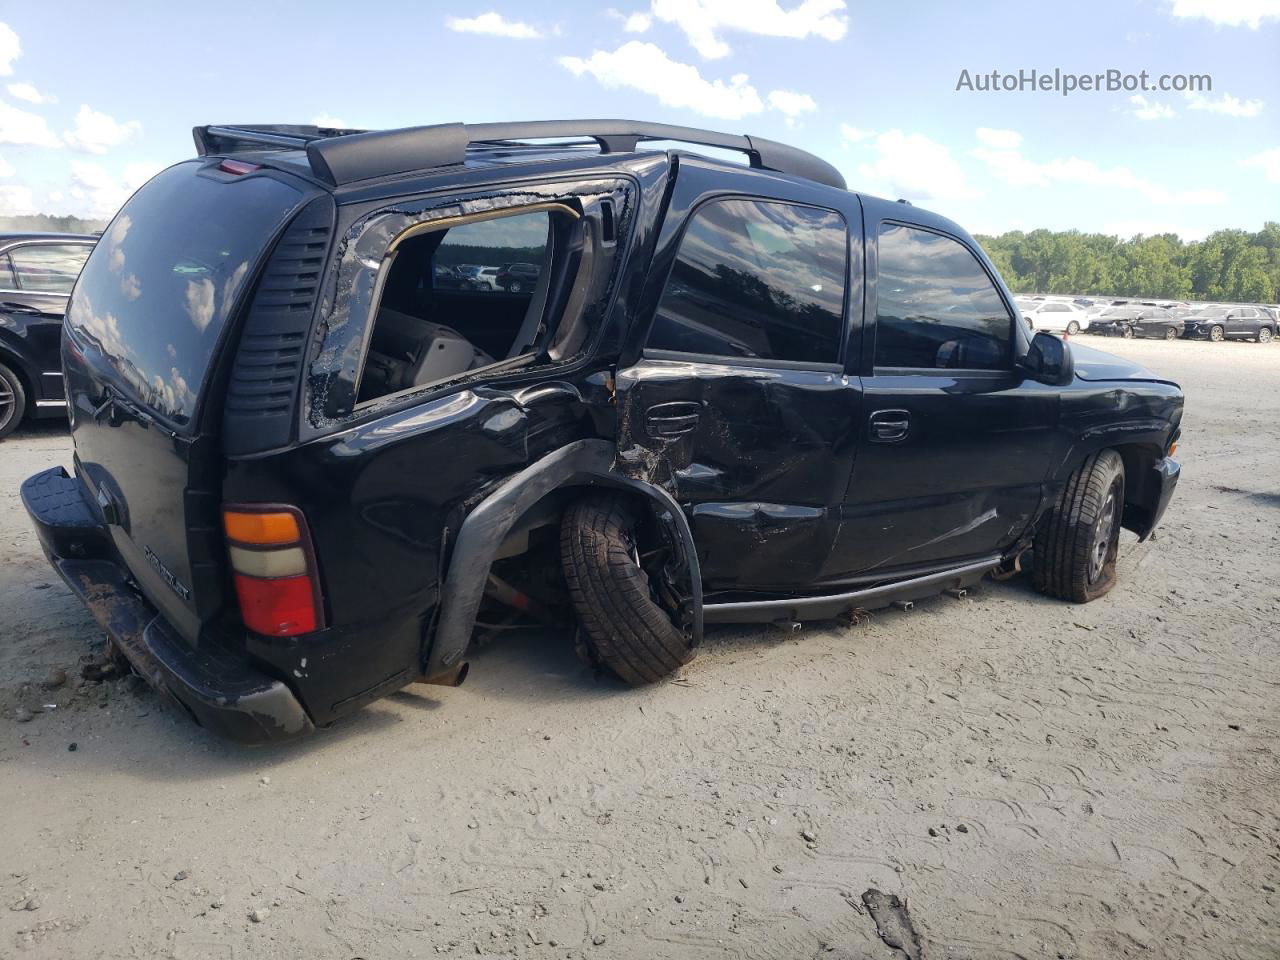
pixel 612 594
pixel 1076 545
pixel 1264 335
pixel 1170 333
pixel 1217 334
pixel 1073 328
pixel 13 401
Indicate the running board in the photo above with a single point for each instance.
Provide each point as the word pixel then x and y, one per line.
pixel 832 605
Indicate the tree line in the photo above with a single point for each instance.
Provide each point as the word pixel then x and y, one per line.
pixel 1229 265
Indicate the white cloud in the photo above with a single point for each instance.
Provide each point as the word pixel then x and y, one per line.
pixel 328 120
pixel 1145 109
pixel 10 49
pixel 704 20
pixel 97 193
pixel 637 23
pixel 6 168
pixel 1268 161
pixel 27 92
pixel 999 139
pixel 199 302
pixel 494 24
pixel 1230 13
pixel 645 67
pixel 912 166
pixel 791 103
pixel 16 201
pixel 1014 168
pixel 1226 104
pixel 95 132
pixel 851 134
pixel 25 128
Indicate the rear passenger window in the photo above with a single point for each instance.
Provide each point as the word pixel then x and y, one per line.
pixel 936 306
pixel 49 267
pixel 756 280
pixel 458 299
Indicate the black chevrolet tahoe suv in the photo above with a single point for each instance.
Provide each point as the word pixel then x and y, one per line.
pixel 305 473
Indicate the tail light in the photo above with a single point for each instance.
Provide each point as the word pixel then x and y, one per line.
pixel 274 569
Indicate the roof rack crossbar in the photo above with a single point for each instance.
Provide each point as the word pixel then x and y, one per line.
pixel 346 156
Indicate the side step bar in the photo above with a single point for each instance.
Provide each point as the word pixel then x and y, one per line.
pixel 832 605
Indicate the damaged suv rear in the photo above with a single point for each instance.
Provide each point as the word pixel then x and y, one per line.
pixel 306 454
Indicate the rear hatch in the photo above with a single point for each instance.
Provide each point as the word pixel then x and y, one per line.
pixel 146 332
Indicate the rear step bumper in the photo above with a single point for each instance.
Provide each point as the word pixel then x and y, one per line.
pixel 219 690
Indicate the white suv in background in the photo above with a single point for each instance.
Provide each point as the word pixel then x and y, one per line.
pixel 1055 316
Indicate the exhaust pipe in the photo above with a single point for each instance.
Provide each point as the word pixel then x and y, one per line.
pixel 452 677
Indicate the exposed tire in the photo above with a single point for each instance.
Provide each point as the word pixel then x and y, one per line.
pixel 1073 328
pixel 13 401
pixel 1264 335
pixel 1171 333
pixel 515 286
pixel 1126 331
pixel 1076 544
pixel 1217 334
pixel 630 633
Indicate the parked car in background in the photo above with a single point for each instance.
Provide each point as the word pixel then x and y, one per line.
pixel 37 272
pixel 1157 323
pixel 486 278
pixel 1056 316
pixel 1231 323
pixel 517 277
pixel 1115 321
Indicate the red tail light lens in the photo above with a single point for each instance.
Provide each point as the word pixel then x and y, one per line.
pixel 274 568
pixel 277 607
pixel 238 167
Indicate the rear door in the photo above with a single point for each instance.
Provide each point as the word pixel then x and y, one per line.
pixel 954 445
pixel 738 402
pixel 145 328
pixel 1243 323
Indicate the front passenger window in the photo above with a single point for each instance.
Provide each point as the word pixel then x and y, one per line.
pixel 936 306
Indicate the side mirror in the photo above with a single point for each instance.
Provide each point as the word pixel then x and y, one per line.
pixel 1048 360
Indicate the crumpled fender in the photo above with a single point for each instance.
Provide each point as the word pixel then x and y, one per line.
pixel 583 462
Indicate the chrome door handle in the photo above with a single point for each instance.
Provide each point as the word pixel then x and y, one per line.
pixel 889 426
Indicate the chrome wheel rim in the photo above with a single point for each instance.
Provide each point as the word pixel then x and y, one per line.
pixel 1171 334
pixel 1216 334
pixel 1265 335
pixel 8 402
pixel 1103 535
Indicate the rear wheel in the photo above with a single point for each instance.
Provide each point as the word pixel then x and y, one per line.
pixel 1171 333
pixel 1264 335
pixel 1073 328
pixel 1126 331
pixel 1077 543
pixel 515 286
pixel 628 631
pixel 1217 334
pixel 13 401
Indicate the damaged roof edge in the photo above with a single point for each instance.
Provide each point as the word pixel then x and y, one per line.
pixel 345 156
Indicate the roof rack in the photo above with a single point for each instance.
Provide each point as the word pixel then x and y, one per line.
pixel 341 156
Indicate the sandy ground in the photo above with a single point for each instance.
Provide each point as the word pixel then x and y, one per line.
pixel 1033 779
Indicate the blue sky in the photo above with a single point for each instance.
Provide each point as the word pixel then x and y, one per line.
pixel 96 97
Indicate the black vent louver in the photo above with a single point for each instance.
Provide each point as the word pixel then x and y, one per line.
pixel 263 387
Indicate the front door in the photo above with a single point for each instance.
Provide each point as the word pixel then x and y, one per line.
pixel 954 445
pixel 738 403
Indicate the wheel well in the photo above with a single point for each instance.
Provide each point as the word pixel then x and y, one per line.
pixel 12 363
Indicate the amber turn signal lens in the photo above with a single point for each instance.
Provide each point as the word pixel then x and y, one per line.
pixel 261 528
pixel 1173 448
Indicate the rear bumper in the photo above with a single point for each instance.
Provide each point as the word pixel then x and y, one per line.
pixel 218 689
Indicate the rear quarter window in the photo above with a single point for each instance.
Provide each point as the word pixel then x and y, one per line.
pixel 155 296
